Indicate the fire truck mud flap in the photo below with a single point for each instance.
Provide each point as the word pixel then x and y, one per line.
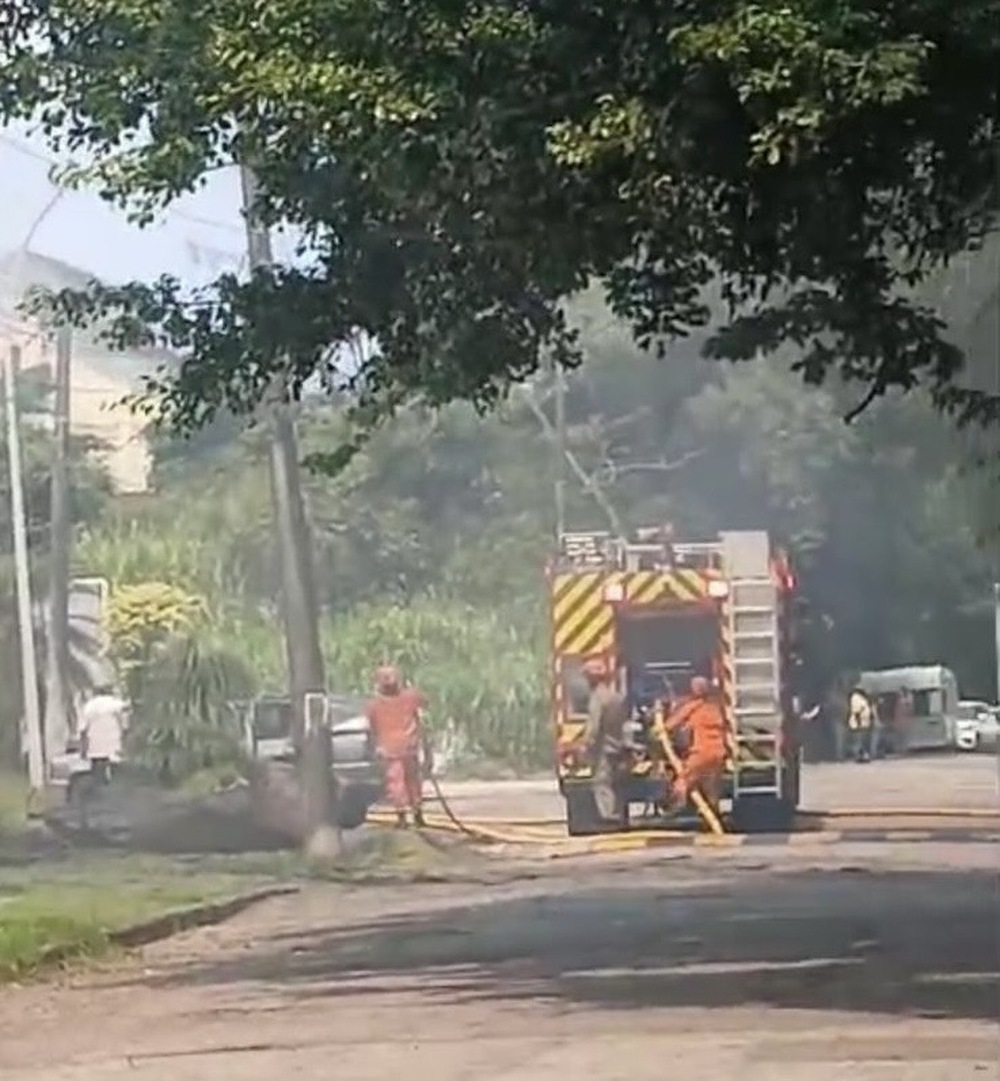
pixel 582 817
pixel 761 814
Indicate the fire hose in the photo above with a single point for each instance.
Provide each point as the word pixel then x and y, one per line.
pixel 540 831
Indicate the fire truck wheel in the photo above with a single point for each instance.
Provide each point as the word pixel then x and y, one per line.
pixel 582 819
pixel 762 814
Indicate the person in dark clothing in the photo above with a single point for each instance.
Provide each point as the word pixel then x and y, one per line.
pixel 607 719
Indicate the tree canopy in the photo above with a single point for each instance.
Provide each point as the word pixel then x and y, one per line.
pixel 453 171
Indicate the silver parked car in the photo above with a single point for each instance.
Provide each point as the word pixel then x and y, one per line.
pixel 356 766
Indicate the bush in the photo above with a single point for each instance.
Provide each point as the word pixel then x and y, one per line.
pixel 180 679
pixel 483 670
pixel 184 720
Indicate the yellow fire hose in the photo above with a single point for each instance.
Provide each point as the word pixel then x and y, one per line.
pixel 536 831
pixel 701 805
pixel 540 831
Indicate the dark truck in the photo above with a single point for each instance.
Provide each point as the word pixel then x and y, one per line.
pixel 356 768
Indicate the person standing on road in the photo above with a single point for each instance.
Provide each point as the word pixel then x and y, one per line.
pixel 861 721
pixel 705 763
pixel 902 721
pixel 607 717
pixel 103 721
pixel 395 716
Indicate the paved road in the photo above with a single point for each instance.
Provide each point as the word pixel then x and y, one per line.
pixel 868 965
pixel 835 963
pixel 938 781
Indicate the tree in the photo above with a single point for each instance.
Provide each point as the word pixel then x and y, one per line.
pixel 455 171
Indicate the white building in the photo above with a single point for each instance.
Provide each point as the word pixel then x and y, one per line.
pixel 100 377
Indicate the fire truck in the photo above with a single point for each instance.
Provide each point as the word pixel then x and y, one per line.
pixel 658 613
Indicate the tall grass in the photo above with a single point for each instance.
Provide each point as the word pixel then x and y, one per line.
pixel 482 667
pixel 483 670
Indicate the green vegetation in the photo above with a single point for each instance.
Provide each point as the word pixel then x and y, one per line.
pixel 455 171
pixel 476 187
pixel 431 544
pixel 72 911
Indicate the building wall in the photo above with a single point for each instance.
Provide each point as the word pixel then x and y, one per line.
pixel 99 381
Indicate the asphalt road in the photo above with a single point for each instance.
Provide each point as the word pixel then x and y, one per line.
pixel 868 963
pixel 956 782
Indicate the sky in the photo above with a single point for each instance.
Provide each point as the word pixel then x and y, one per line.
pixel 200 237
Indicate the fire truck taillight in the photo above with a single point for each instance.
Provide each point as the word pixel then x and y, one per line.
pixel 718 589
pixel 568 755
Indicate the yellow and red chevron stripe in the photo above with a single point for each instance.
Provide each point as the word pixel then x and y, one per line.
pixel 583 615
pixel 658 587
pixel 727 679
pixel 582 620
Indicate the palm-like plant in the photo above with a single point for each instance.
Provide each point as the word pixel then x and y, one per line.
pixel 180 677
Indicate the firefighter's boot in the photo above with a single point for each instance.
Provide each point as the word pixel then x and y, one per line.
pixel 401 823
pixel 418 820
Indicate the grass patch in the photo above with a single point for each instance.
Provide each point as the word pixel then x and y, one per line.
pixel 61 912
pixel 386 855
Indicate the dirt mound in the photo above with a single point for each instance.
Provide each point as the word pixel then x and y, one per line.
pixel 380 853
pixel 142 817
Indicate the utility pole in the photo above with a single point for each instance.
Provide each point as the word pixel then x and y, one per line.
pixel 304 656
pixel 57 700
pixel 26 632
pixel 996 631
pixel 560 447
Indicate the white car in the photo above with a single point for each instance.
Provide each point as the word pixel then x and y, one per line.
pixel 978 726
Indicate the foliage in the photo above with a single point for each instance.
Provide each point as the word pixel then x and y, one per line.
pixel 454 172
pixel 432 542
pixel 180 679
pixel 481 672
pixel 184 720
pixel 142 617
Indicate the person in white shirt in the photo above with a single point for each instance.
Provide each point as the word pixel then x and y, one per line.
pixel 861 721
pixel 102 730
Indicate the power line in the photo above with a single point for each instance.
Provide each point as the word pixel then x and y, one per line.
pixel 28 151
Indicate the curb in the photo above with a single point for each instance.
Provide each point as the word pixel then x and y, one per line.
pixel 194 916
pixel 169 924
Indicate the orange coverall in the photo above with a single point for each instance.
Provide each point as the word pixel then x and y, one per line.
pixel 395 721
pixel 705 763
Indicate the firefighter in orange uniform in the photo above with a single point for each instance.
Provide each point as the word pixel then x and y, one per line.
pixel 395 718
pixel 705 763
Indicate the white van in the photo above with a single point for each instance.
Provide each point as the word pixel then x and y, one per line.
pixel 930 721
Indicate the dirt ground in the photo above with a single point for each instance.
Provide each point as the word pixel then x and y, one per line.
pixel 873 963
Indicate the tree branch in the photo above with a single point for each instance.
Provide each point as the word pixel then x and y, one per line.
pixel 873 392
pixel 585 479
pixel 612 469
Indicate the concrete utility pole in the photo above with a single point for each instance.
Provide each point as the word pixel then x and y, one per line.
pixel 29 669
pixel 996 631
pixel 58 702
pixel 305 659
pixel 560 447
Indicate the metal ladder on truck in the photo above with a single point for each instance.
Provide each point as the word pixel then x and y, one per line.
pixel 755 659
pixel 753 614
